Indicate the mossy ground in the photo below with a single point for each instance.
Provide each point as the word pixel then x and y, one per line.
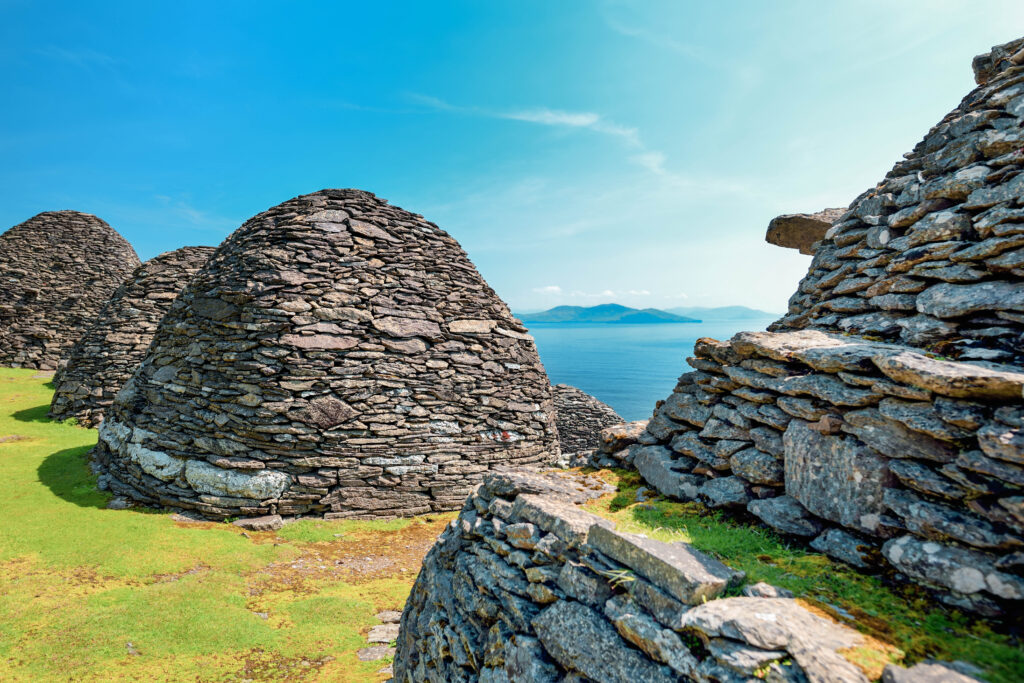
pixel 91 594
pixel 906 625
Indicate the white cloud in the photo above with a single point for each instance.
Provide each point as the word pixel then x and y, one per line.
pixel 550 289
pixel 639 292
pixel 680 295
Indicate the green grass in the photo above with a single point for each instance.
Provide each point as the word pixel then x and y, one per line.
pixel 904 617
pixel 91 594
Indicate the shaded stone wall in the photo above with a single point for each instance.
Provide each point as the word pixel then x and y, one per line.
pixel 336 356
pixel 57 270
pixel 527 586
pixel 933 256
pixel 885 455
pixel 581 417
pixel 103 359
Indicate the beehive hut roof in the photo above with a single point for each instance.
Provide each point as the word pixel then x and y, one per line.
pixel 335 356
pixel 933 255
pixel 57 269
pixel 103 359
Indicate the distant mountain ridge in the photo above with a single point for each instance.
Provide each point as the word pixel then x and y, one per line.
pixel 604 313
pixel 722 313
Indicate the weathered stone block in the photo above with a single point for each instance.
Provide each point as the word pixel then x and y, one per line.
pixel 835 477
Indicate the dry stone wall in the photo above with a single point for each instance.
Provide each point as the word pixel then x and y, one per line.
pixel 581 417
pixel 57 270
pixel 934 255
pixel 875 453
pixel 856 436
pixel 105 357
pixel 336 356
pixel 527 586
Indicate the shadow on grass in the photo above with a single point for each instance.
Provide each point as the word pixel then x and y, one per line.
pixel 37 414
pixel 66 473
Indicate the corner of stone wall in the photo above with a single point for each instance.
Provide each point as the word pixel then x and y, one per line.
pixel 527 586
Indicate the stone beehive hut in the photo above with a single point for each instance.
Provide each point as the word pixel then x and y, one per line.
pixel 57 269
pixel 581 417
pixel 844 425
pixel 103 359
pixel 336 356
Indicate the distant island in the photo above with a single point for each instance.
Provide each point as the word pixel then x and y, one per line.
pixel 618 314
pixel 604 313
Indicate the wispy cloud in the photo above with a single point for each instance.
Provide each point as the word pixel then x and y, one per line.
pixel 542 116
pixel 550 289
pixel 652 160
pixel 85 58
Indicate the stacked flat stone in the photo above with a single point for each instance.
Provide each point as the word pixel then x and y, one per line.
pixel 57 270
pixel 336 356
pixel 934 255
pixel 581 417
pixel 884 454
pixel 105 357
pixel 527 586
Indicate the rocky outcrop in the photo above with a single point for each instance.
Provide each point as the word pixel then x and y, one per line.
pixel 801 230
pixel 933 256
pixel 57 270
pixel 526 586
pixel 336 356
pixel 872 448
pixel 103 359
pixel 581 417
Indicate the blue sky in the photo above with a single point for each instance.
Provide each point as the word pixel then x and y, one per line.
pixel 581 152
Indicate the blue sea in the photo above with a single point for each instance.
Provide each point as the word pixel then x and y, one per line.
pixel 629 367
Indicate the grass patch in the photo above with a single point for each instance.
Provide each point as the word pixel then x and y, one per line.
pixel 904 617
pixel 91 594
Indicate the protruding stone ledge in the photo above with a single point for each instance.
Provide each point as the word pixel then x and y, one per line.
pixel 801 230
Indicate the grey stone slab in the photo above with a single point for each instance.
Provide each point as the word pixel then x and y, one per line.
pixel 835 477
pixel 582 640
pixel 679 569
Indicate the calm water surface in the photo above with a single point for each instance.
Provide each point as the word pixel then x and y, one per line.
pixel 629 367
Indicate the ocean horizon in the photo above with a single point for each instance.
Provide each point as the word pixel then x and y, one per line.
pixel 629 367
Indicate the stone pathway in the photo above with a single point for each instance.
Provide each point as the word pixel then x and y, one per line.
pixel 380 639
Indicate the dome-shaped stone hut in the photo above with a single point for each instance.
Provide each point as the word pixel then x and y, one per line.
pixel 581 417
pixel 57 269
pixel 335 356
pixel 104 358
